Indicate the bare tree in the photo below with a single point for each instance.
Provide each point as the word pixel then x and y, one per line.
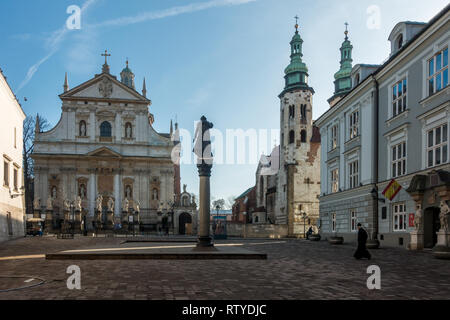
pixel 219 203
pixel 230 202
pixel 29 126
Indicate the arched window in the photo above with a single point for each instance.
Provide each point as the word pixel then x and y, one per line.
pixel 303 136
pixel 105 129
pixel 400 41
pixel 128 130
pixel 82 128
pixel 357 80
pixel 261 189
pixel 291 136
pixel 303 111
pixel 155 195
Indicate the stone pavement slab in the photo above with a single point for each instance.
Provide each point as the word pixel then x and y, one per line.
pixel 294 270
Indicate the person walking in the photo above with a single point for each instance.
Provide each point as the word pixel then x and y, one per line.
pixel 362 251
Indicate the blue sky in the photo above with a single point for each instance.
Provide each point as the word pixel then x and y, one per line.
pixel 221 58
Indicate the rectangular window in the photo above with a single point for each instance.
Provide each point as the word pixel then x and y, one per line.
pixel 334 180
pixel 437 148
pixel 334 137
pixel 6 174
pixel 333 222
pixel 353 169
pixel 398 162
pixel 399 216
pixel 399 93
pixel 438 72
pixel 291 112
pixel 353 221
pixel 354 124
pixel 15 180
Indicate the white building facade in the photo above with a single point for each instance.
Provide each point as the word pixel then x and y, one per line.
pixel 12 202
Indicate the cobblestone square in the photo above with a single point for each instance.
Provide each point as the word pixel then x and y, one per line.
pixel 294 270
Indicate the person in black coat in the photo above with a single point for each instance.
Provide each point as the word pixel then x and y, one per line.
pixel 362 251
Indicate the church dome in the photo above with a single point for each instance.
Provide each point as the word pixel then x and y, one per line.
pixel 127 77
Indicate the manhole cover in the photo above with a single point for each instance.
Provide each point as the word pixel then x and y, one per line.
pixel 9 283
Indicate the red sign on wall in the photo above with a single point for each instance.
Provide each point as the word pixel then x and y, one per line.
pixel 411 219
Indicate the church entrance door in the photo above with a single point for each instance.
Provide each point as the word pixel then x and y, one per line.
pixel 431 226
pixel 184 218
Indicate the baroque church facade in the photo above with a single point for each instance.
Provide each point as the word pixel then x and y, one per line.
pixel 105 155
pixel 289 194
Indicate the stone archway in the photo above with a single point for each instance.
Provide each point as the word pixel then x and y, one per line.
pixel 183 219
pixel 431 226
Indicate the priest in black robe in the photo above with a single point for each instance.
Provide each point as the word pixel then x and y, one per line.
pixel 362 251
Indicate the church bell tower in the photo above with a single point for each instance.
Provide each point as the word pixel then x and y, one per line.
pixel 299 147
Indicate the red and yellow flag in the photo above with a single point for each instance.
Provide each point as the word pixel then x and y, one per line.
pixel 392 190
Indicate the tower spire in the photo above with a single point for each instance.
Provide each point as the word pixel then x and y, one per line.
pixel 66 84
pixel 37 128
pixel 144 89
pixel 171 127
pixel 343 83
pixel 296 74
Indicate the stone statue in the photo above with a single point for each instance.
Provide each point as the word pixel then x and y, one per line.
pixel 443 216
pixel 125 205
pixel 82 191
pixel 66 205
pixel 49 203
pixel 78 204
pixel 128 192
pixel 161 207
pixel 418 218
pixel 99 203
pixel 111 204
pixel 128 131
pixel 184 188
pixel 54 192
pixel 37 203
pixel 83 129
pixel 136 206
pixel 202 142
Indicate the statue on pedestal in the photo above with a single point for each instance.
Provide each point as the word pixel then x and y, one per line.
pixel 49 203
pixel 443 216
pixel 136 206
pixel 110 204
pixel 78 204
pixel 66 205
pixel 37 203
pixel 98 203
pixel 125 205
pixel 418 218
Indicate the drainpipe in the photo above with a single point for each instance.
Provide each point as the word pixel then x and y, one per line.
pixel 376 156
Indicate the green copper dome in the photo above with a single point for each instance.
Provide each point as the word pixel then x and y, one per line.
pixel 343 82
pixel 296 73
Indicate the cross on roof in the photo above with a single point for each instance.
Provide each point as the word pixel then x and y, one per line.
pixel 296 22
pixel 106 55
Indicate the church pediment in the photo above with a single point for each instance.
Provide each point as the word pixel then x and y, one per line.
pixel 104 153
pixel 104 87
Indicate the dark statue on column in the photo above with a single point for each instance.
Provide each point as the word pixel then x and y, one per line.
pixel 202 149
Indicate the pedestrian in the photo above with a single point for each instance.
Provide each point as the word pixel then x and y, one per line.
pixel 310 232
pixel 362 251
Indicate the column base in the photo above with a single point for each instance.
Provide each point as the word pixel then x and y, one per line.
pixel 204 242
pixel 443 238
pixel 417 241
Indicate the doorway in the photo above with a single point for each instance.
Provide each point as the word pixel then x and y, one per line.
pixel 431 226
pixel 184 218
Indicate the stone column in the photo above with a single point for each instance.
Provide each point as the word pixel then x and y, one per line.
pixel 204 160
pixel 92 192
